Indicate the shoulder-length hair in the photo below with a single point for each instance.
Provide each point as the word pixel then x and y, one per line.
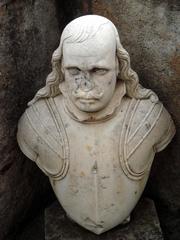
pixel 86 30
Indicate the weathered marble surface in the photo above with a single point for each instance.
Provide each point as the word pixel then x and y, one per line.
pixel 144 225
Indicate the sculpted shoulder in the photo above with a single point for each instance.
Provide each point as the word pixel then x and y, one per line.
pixel 39 138
pixel 150 121
pixel 148 129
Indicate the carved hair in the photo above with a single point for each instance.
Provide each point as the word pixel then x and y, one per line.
pixel 87 30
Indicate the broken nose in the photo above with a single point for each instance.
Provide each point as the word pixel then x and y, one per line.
pixel 86 84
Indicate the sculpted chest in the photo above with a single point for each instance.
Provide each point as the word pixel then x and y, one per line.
pixel 95 192
pixel 97 170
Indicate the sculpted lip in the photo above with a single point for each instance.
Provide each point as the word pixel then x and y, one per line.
pixel 88 100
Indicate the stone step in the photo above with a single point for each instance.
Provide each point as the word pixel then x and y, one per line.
pixel 144 225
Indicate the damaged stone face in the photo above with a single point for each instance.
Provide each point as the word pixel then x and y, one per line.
pixel 93 129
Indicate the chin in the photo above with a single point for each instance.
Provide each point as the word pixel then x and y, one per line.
pixel 89 108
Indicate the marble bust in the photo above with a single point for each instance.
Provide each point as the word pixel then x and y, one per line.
pixel 93 129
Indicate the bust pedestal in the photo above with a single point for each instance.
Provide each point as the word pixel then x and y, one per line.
pixel 144 225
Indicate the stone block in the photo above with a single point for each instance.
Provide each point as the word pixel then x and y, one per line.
pixel 144 225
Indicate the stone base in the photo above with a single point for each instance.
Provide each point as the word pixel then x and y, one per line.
pixel 144 225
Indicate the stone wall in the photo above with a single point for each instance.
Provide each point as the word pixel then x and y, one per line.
pixel 30 31
pixel 29 34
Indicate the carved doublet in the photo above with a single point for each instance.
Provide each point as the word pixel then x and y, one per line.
pixel 97 166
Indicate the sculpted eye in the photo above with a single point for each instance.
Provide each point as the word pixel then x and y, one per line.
pixel 74 70
pixel 100 71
